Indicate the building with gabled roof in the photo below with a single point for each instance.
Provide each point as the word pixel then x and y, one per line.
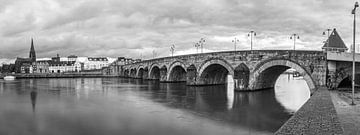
pixel 334 43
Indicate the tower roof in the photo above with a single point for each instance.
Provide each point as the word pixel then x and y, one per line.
pixel 32 54
pixel 335 41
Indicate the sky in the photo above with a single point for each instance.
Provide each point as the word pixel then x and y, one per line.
pixel 141 28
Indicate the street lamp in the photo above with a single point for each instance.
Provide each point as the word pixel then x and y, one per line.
pixel 353 53
pixel 235 41
pixel 172 49
pixel 251 34
pixel 327 49
pixel 197 45
pixel 202 43
pixel 294 36
pixel 328 40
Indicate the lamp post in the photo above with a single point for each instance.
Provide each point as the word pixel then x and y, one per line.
pixel 172 49
pixel 328 40
pixel 197 45
pixel 294 37
pixel 251 34
pixel 235 41
pixel 325 52
pixel 353 53
pixel 202 43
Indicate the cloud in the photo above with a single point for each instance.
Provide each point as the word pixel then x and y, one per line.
pixel 132 28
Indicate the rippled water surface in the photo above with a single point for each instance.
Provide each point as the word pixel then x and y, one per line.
pixel 94 106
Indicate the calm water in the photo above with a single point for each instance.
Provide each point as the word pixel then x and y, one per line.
pixel 95 106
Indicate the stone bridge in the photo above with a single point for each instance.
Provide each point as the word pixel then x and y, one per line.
pixel 250 70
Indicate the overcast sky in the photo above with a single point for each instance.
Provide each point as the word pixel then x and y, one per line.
pixel 132 28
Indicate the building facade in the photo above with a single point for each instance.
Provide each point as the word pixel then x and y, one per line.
pixel 93 63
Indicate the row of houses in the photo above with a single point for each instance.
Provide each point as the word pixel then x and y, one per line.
pixel 66 64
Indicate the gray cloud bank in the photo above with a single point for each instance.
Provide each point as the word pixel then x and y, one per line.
pixel 132 27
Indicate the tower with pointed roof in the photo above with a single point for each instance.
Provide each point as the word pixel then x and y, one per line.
pixel 32 54
pixel 334 43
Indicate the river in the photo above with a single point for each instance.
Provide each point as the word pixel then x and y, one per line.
pixel 109 106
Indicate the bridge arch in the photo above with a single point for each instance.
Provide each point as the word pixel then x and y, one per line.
pixel 214 71
pixel 133 72
pixel 154 72
pixel 142 72
pixel 176 72
pixel 126 73
pixel 266 73
pixel 344 77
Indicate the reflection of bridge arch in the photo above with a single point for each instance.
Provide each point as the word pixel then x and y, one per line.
pixel 266 73
pixel 177 72
pixel 214 71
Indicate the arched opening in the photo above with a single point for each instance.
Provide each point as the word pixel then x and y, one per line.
pixel 241 77
pixel 291 83
pixel 177 74
pixel 140 73
pixel 126 73
pixel 347 82
pixel 267 78
pixel 133 72
pixel 266 74
pixel 214 74
pixel 155 73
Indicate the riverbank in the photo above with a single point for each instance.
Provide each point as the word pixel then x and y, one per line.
pixel 349 115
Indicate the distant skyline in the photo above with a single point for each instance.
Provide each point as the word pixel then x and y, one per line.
pixel 130 28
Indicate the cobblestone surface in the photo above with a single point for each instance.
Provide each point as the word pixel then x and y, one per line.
pixel 316 117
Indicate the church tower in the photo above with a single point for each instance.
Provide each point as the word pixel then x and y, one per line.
pixel 32 54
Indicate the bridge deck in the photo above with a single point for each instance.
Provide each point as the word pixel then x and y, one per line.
pixel 232 52
pixel 344 56
pixel 316 116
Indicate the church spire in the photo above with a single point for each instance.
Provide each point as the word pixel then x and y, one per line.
pixel 32 54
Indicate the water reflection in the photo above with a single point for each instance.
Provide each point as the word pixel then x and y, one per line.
pixel 291 92
pixel 230 91
pixel 131 106
pixel 33 95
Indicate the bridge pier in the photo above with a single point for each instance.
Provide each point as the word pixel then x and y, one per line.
pixel 145 74
pixel 163 74
pixel 240 85
pixel 191 75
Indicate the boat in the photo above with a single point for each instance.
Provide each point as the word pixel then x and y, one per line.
pixel 9 77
